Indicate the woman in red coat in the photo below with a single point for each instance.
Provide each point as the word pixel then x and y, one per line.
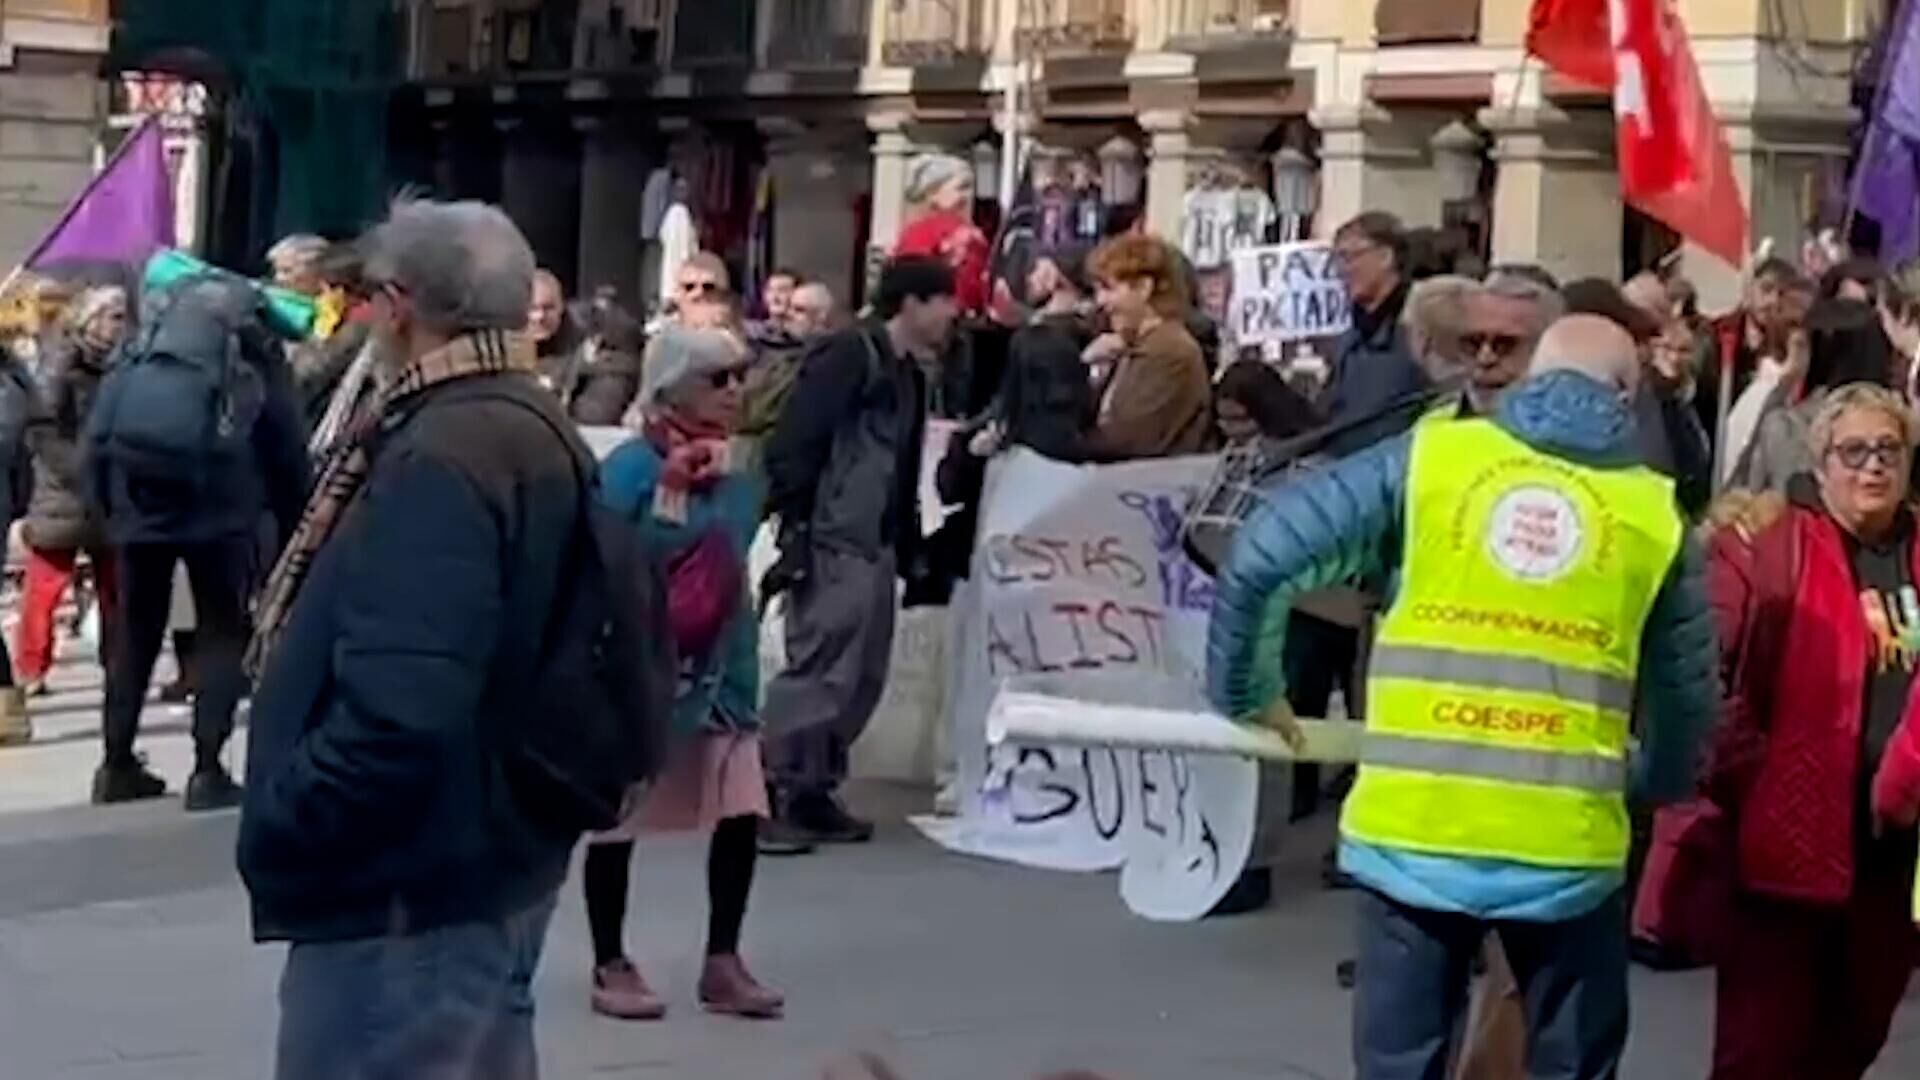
pixel 1820 627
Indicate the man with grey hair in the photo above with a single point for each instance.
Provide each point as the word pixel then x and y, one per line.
pixel 383 833
pixel 1505 317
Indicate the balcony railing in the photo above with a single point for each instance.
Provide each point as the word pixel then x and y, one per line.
pixel 1222 20
pixel 1056 26
pixel 818 33
pixel 937 31
pixel 713 33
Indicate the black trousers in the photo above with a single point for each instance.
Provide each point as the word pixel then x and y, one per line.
pixel 219 573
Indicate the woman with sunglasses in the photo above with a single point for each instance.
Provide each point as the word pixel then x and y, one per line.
pixel 677 480
pixel 1818 599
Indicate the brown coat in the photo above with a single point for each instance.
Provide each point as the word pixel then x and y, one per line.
pixel 1157 402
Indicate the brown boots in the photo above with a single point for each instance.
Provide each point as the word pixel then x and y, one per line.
pixel 16 727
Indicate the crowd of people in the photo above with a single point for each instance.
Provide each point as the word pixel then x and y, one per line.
pixel 1590 528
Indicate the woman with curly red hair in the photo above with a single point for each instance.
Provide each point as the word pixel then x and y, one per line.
pixel 1154 390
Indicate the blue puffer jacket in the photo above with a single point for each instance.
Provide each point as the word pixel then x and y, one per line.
pixel 1347 521
pixel 720 692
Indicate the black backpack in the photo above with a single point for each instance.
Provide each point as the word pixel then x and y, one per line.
pixel 182 399
pixel 594 704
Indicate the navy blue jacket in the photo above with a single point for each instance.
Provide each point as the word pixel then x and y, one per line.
pixel 375 803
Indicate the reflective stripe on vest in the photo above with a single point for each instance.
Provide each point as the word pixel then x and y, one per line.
pixel 1519 673
pixel 1588 772
pixel 1501 683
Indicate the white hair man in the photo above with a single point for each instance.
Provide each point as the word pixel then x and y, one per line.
pixel 296 262
pixel 392 644
pixel 1543 585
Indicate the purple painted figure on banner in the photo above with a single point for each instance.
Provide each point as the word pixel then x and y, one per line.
pixel 124 214
pixel 1887 182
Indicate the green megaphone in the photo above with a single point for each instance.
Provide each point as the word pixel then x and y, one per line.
pixel 285 312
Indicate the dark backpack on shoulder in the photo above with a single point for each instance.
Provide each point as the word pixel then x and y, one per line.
pixel 181 402
pixel 594 704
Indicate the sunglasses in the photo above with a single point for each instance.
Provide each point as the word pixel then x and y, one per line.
pixel 700 288
pixel 725 377
pixel 1855 453
pixel 1501 344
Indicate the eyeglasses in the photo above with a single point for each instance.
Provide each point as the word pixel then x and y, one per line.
pixel 1352 253
pixel 725 377
pixel 700 288
pixel 1855 453
pixel 1501 344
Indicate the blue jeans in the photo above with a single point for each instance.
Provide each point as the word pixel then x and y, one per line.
pixel 454 1003
pixel 1411 989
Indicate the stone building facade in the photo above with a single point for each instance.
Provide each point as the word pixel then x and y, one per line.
pixel 561 109
pixel 53 106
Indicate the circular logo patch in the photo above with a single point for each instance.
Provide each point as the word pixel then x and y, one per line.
pixel 1535 533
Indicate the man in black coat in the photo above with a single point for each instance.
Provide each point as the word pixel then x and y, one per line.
pixel 843 473
pixel 380 835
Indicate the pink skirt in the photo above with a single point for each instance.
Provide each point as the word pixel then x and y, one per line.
pixel 708 778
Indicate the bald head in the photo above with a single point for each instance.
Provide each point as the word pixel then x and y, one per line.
pixel 1592 346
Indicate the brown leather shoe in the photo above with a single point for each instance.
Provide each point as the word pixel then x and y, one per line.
pixel 727 987
pixel 620 992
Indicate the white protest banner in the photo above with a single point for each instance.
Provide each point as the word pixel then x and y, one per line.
pixel 1080 591
pixel 1287 292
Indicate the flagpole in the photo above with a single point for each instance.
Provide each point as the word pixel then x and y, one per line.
pixel 1010 113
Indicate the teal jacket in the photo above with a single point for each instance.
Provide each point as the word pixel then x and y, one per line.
pixel 719 692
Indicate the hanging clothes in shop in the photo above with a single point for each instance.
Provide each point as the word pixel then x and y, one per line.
pixel 1218 221
pixel 678 241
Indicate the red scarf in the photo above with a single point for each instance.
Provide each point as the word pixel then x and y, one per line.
pixel 693 457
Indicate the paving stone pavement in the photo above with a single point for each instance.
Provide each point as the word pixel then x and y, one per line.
pixel 124 954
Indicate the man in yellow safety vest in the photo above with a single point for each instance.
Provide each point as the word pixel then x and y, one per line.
pixel 1539 584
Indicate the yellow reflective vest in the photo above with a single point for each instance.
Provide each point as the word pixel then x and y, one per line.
pixel 1501 681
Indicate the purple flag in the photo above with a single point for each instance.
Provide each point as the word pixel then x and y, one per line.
pixel 124 214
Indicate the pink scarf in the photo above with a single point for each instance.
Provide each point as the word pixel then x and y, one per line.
pixel 693 457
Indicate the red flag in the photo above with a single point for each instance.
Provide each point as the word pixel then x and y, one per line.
pixel 1674 162
pixel 1571 36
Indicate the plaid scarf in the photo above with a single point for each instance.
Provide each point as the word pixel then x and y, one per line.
pixel 482 353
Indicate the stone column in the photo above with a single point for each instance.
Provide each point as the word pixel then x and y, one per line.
pixel 613 176
pixel 818 173
pixel 1556 200
pixel 1372 159
pixel 891 149
pixel 1169 147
